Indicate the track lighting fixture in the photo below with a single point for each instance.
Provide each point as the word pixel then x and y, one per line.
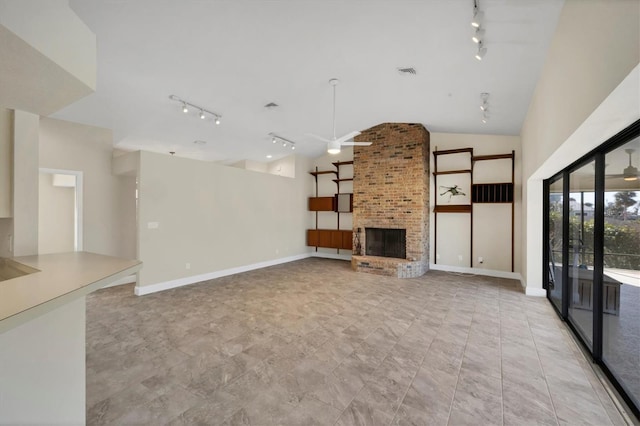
pixel 481 51
pixel 285 142
pixel 203 111
pixel 484 107
pixel 478 35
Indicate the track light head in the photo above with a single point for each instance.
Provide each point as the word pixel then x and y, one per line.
pixel 293 147
pixel 478 17
pixel 478 35
pixel 273 140
pixel 202 116
pixel 184 108
pixel 481 51
pixel 217 120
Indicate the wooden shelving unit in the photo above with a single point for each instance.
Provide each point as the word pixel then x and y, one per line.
pixel 451 208
pixel 330 238
pixel 481 193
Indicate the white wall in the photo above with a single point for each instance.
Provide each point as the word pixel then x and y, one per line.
pixel 42 369
pixel 575 106
pixel 6 236
pixel 109 201
pixel 52 28
pixel 492 222
pixel 215 217
pixel 25 183
pixel 285 167
pixel 6 162
pixel 56 224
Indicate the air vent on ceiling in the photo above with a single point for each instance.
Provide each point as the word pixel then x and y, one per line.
pixel 408 70
pixel 271 105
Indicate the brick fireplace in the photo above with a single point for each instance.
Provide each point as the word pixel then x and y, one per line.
pixel 391 192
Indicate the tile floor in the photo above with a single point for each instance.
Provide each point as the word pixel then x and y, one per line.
pixel 313 343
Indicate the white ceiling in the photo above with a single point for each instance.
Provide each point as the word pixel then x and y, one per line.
pixel 233 57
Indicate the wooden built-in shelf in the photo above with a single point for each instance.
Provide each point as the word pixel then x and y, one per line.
pixel 330 238
pixel 492 192
pixel 492 157
pixel 339 203
pixel 453 151
pixel 342 180
pixel 452 172
pixel 453 208
pixel 322 204
pixel 325 172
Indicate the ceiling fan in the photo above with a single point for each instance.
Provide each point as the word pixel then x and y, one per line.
pixel 630 173
pixel 334 145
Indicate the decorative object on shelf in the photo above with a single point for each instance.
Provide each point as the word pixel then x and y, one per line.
pixel 453 191
pixel 285 142
pixel 202 112
pixel 333 145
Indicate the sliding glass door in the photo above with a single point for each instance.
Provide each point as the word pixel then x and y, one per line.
pixel 554 242
pixel 581 221
pixel 621 286
pixel 592 255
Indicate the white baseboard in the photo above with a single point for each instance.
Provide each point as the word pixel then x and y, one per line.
pixel 125 280
pixel 537 292
pixel 331 255
pixel 529 291
pixel 166 285
pixel 476 271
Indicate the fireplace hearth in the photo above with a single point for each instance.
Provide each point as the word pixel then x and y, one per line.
pixel 386 242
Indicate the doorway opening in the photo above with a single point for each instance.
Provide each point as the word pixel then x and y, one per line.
pixel 60 211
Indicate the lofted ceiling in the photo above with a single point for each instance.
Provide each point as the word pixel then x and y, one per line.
pixel 234 57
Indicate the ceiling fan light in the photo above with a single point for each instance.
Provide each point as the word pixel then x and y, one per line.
pixel 333 147
pixel 630 174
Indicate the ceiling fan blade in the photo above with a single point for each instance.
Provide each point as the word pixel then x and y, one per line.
pixel 348 136
pixel 320 138
pixel 356 143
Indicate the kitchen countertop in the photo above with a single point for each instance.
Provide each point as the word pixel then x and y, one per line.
pixel 60 279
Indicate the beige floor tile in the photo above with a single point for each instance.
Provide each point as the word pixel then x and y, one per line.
pixel 312 342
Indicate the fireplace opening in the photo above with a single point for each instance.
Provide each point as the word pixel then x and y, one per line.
pixel 386 242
